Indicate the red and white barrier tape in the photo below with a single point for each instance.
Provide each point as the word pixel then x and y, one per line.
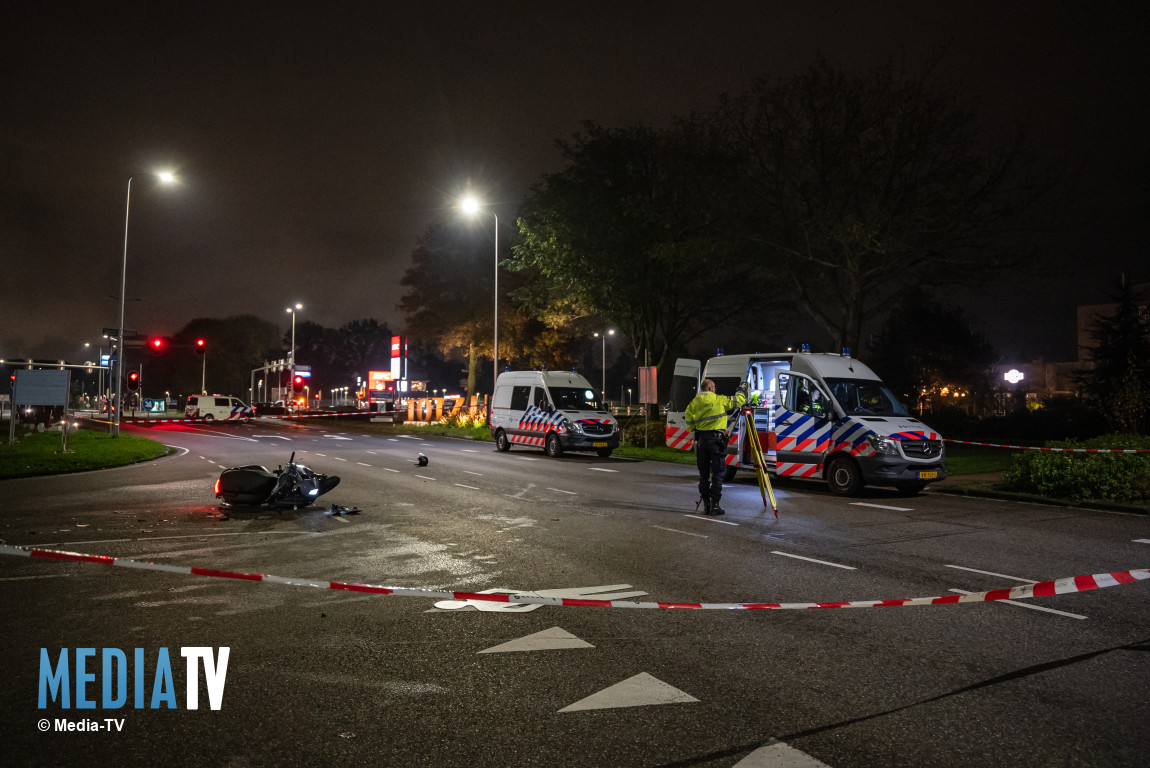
pixel 1054 450
pixel 233 421
pixel 1064 586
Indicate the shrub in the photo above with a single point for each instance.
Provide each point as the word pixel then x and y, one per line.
pixel 1083 476
pixel 633 431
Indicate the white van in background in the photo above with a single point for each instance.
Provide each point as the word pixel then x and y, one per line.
pixel 218 408
pixel 552 410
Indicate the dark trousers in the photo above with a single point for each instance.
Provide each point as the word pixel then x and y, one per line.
pixel 710 451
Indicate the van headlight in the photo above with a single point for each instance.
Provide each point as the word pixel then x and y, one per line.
pixel 575 426
pixel 883 445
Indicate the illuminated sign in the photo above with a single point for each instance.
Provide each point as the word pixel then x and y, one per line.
pixel 1013 376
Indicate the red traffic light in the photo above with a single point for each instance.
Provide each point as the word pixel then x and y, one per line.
pixel 297 383
pixel 156 346
pixel 133 381
pixel 201 346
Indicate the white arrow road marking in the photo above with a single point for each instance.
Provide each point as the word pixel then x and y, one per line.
pixel 779 755
pixel 1027 605
pixel 812 560
pixel 639 691
pixel 553 639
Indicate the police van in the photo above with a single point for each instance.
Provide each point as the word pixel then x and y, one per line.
pixel 218 408
pixel 816 415
pixel 551 410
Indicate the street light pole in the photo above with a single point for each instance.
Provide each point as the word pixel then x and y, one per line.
pixel 165 177
pixel 293 310
pixel 471 206
pixel 603 387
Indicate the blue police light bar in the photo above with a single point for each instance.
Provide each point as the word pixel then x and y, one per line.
pixel 846 351
pixel 806 348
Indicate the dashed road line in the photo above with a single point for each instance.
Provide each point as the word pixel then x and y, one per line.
pixel 676 530
pixel 601 469
pixel 526 458
pixel 880 506
pixel 711 519
pixel 342 520
pixel 425 477
pixel 1142 541
pixel 812 560
pixel 1025 605
pixel 362 464
pixel 468 472
pixel 322 454
pixel 44 576
pixel 469 450
pixel 560 490
pixel 387 469
pixel 992 573
pixel 337 458
pixel 461 485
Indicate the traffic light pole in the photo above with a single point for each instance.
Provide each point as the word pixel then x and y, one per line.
pixel 204 374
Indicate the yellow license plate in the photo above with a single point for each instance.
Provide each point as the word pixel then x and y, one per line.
pixel 928 475
pixel 598 445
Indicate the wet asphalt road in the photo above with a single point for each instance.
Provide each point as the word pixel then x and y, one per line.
pixel 319 677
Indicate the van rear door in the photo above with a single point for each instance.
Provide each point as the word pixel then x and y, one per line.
pixel 684 387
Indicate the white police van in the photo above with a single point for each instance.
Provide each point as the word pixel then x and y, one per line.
pixel 552 410
pixel 819 416
pixel 218 408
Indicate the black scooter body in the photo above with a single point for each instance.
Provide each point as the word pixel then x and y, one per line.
pixel 293 486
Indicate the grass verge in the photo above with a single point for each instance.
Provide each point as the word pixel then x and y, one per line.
pixel 38 453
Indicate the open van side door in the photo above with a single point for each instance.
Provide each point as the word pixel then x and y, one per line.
pixel 684 387
pixel 804 421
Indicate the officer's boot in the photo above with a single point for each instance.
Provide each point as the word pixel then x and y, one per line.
pixel 706 506
pixel 716 509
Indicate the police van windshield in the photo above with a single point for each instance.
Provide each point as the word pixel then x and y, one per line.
pixel 575 399
pixel 860 397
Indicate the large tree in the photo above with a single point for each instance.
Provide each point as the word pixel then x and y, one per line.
pixel 1118 377
pixel 860 186
pixel 636 230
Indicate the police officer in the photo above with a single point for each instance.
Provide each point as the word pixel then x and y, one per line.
pixel 707 416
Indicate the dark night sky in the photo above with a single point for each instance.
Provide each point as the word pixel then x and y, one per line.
pixel 317 141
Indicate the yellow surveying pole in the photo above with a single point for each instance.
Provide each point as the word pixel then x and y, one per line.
pixel 760 462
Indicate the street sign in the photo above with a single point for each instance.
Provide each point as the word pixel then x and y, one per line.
pixel 648 384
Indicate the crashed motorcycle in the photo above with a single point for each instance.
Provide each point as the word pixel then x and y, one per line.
pixel 294 486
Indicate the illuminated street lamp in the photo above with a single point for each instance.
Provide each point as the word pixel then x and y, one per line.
pixel 165 177
pixel 603 335
pixel 471 206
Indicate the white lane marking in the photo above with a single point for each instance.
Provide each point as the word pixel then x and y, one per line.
pixel 336 437
pixel 1027 605
pixel 468 472
pixel 470 450
pixel 526 458
pixel 676 530
pixel 601 469
pixel 812 560
pixel 205 458
pixel 560 490
pixel 362 464
pixel 371 452
pixel 393 439
pixel 342 520
pixel 992 573
pixel 779 754
pixel 711 519
pixel 386 469
pixel 428 445
pixel 44 576
pixel 337 458
pixel 322 454
pixel 880 506
pixel 277 437
pixel 461 485
pixel 187 536
pixel 425 477
pixel 1142 541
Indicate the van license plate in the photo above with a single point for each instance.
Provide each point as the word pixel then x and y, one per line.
pixel 598 445
pixel 928 475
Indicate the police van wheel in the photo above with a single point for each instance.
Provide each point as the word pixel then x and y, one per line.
pixel 729 473
pixel 501 441
pixel 843 476
pixel 553 447
pixel 209 417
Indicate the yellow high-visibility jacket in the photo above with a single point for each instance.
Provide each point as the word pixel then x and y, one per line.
pixel 708 410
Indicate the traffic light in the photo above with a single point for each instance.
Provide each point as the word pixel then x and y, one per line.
pixel 297 384
pixel 156 346
pixel 201 346
pixel 133 381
